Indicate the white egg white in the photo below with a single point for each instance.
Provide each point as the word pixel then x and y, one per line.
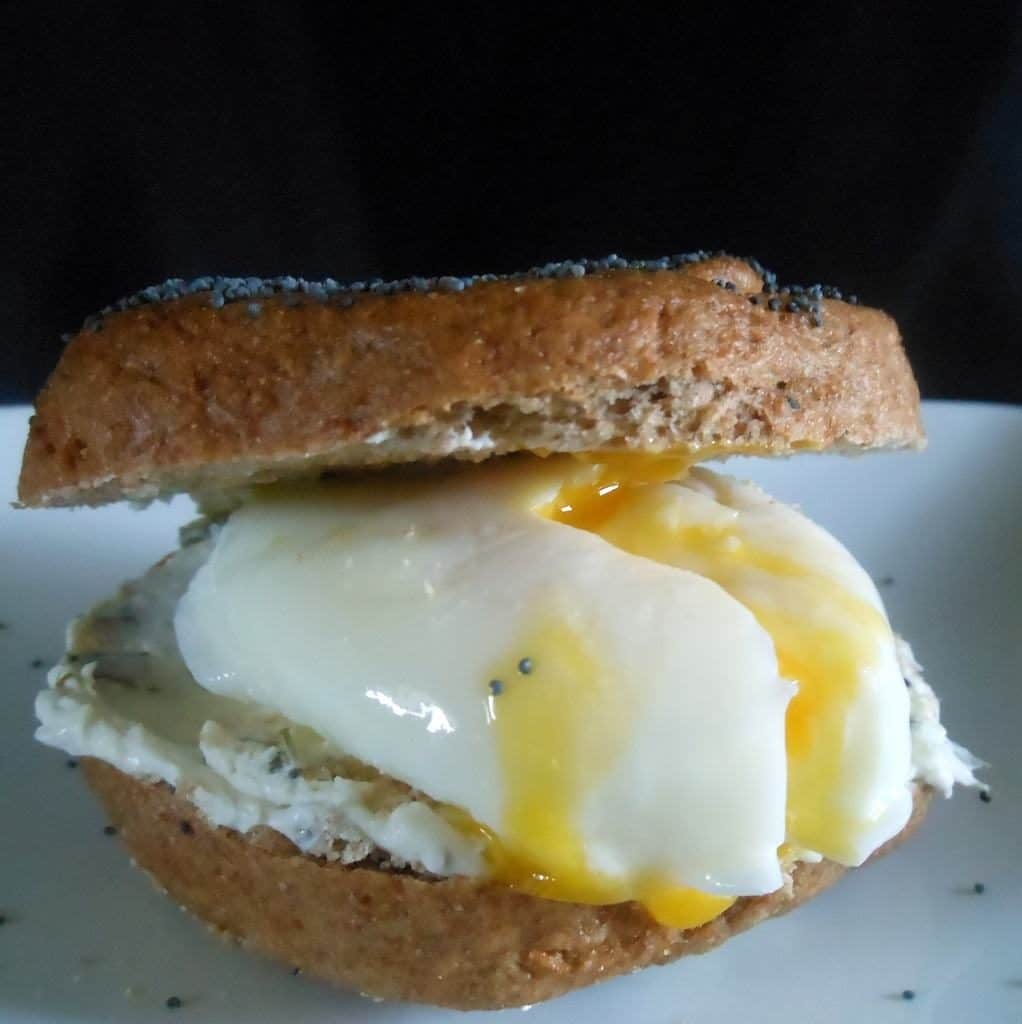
pixel 374 614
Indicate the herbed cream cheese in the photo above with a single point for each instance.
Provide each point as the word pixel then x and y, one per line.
pixel 123 694
pixel 936 759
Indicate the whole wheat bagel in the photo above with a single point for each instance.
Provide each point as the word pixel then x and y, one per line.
pixel 454 942
pixel 222 382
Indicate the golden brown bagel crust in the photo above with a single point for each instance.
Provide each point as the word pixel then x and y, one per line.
pixel 179 395
pixel 453 942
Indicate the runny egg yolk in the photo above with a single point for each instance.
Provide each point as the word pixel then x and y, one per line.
pixel 823 635
pixel 555 721
pixel 559 722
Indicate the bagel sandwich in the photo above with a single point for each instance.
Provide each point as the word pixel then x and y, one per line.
pixel 470 684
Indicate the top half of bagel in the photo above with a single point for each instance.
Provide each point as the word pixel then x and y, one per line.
pixel 226 381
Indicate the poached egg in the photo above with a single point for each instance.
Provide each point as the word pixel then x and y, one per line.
pixel 624 685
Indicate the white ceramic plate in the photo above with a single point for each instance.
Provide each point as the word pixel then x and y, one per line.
pixel 87 938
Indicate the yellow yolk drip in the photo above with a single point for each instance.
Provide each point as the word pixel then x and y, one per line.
pixel 823 635
pixel 592 496
pixel 555 738
pixel 559 722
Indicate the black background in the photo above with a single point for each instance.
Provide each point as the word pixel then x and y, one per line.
pixel 878 148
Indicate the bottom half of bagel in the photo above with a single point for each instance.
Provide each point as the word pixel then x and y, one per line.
pixel 454 942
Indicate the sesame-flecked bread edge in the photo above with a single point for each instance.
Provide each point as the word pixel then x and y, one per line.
pixel 193 393
pixel 452 942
